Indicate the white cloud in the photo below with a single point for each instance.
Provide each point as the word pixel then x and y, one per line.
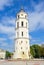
pixel 36 18
pixel 9 30
pixel 36 21
pixel 39 7
pixel 35 41
pixel 12 37
pixel 4 3
pixel 3 44
pixel 6 29
pixel 8 21
pixel 2 39
pixel 5 26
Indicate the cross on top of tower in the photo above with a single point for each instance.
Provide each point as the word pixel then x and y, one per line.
pixel 22 9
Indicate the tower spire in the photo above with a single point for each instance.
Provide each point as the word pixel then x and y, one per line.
pixel 22 9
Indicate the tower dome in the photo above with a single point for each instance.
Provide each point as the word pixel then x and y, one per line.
pixel 22 14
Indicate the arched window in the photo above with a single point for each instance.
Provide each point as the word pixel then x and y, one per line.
pixel 18 16
pixel 17 34
pixel 26 24
pixel 22 52
pixel 22 23
pixel 26 42
pixel 21 41
pixel 17 24
pixel 22 33
pixel 25 16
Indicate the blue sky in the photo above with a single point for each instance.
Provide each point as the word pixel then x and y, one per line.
pixel 8 11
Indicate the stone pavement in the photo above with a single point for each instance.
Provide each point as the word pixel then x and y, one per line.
pixel 22 62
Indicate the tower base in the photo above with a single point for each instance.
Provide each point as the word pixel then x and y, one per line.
pixel 20 56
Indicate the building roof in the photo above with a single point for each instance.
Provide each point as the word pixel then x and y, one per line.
pixel 1 50
pixel 21 11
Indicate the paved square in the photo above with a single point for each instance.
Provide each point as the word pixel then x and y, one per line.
pixel 18 62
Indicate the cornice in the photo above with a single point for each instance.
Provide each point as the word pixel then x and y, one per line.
pixel 21 28
pixel 21 38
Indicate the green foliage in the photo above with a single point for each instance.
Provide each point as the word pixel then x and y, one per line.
pixel 8 55
pixel 42 52
pixel 37 51
pixel 32 51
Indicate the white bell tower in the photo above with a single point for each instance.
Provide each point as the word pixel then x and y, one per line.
pixel 22 36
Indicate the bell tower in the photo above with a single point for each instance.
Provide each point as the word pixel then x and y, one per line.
pixel 22 36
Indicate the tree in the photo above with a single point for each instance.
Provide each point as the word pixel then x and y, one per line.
pixel 32 51
pixel 8 54
pixel 42 52
pixel 37 51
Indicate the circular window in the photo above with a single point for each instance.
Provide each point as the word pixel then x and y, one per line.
pixel 21 14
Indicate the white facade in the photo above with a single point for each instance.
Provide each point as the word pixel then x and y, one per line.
pixel 2 54
pixel 22 36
